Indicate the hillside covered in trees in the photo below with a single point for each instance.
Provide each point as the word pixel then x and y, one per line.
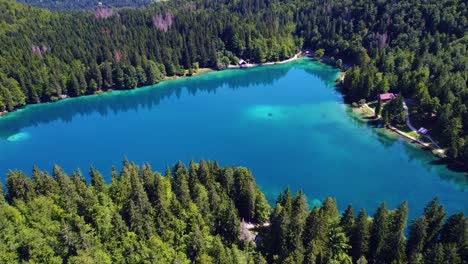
pixel 72 5
pixel 416 48
pixel 192 215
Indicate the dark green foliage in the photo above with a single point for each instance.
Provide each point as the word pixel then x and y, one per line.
pixel 415 48
pixel 378 108
pixel 347 220
pixel 251 203
pixel 434 214
pixel 70 5
pixel 359 238
pixel 417 238
pixel 395 111
pixel 379 232
pixel 97 181
pixel 19 186
pixel 140 217
pixel 136 218
pixel 329 238
pixel 396 237
pixel 46 55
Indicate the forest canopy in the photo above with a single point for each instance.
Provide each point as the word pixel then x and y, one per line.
pixel 196 214
pixel 73 5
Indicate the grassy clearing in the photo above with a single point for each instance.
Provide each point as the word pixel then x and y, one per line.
pixel 414 134
pixel 367 111
pixel 408 131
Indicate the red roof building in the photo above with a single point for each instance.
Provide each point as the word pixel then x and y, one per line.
pixel 386 97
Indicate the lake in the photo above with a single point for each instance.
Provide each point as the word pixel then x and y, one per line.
pixel 287 123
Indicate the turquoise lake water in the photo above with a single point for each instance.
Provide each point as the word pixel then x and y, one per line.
pixel 287 123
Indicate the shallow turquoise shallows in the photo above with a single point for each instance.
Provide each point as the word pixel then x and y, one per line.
pixel 286 122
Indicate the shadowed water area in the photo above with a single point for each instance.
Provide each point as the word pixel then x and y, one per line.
pixel 287 123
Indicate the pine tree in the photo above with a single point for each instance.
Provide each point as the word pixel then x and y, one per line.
pixel 315 235
pixel 434 215
pixel 359 238
pixel 455 231
pixel 95 74
pixel 378 108
pixel 97 180
pixel 73 86
pixel 378 234
pixel 106 73
pixel 396 243
pixel 137 210
pixel 180 183
pixel 245 193
pixel 262 208
pixel 386 118
pixel 347 220
pixel 330 210
pixel 43 183
pixel 337 246
pixel 435 254
pixel 141 76
pixel 451 254
pixel 417 238
pixel 204 174
pixel 19 186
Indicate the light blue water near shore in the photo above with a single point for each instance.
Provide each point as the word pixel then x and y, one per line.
pixel 285 122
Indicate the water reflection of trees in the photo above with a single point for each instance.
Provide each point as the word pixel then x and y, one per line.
pixel 445 170
pixel 325 73
pixel 123 101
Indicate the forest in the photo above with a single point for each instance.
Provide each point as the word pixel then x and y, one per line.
pixel 194 214
pixel 73 5
pixel 414 48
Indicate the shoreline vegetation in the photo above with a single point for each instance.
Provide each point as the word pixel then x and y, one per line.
pixel 205 213
pixel 199 72
pixel 414 138
pixel 364 110
pixel 368 113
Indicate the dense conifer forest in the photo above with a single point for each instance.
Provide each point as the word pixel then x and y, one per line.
pixel 414 48
pixel 194 214
pixel 73 5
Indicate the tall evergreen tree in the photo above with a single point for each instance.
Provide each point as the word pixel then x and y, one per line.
pixel 360 235
pixel 378 234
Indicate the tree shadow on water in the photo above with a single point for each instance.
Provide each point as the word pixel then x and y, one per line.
pixel 140 98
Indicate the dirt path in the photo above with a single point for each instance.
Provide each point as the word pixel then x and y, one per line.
pixel 410 126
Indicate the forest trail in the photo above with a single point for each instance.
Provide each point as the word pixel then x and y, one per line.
pixel 410 126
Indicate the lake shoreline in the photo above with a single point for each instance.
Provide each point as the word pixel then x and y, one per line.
pixel 342 73
pixel 443 159
pixel 451 163
pixel 200 72
pixel 249 116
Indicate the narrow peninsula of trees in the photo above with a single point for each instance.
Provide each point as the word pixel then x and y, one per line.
pixel 195 214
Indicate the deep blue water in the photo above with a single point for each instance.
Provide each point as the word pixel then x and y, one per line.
pixel 285 122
